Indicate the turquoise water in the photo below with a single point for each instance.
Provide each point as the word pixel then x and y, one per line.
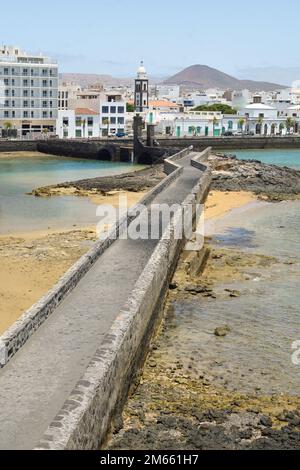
pixel 280 157
pixel 264 320
pixel 20 175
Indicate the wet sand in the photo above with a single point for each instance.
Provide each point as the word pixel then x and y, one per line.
pixel 219 202
pixel 31 263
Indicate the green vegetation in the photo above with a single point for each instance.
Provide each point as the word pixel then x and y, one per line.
pixel 223 108
pixel 129 108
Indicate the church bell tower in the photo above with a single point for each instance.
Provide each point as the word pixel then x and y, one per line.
pixel 141 91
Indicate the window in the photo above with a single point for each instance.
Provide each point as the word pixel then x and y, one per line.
pixel 25 82
pixel 6 82
pixel 5 71
pixel 12 92
pixel 13 114
pixel 6 92
pixel 113 120
pixel 32 114
pixel 6 114
pixel 25 104
pixel 90 121
pixel 45 93
pixel 45 83
pixel 45 104
pixel 78 133
pixel 90 133
pixel 25 114
pixel 6 104
pixel 113 109
pixel 51 114
pixel 25 92
pixel 121 109
pixel 13 82
pixel 120 120
pixel 13 104
pixel 25 72
pixel 32 82
pixel 45 72
pixel 104 121
pixel 66 133
pixel 78 122
pixel 105 109
pixel 230 125
pixel 66 121
pixel 32 104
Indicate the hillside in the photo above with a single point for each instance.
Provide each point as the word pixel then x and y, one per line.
pixel 204 77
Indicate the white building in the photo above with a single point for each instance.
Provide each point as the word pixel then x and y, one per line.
pixel 262 119
pixel 67 94
pixel 167 92
pixel 28 91
pixel 197 123
pixel 112 114
pixel 79 123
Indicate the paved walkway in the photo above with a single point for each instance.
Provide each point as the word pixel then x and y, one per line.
pixel 39 378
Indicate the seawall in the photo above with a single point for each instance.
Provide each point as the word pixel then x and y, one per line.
pixel 121 149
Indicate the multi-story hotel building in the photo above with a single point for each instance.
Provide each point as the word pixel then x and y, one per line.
pixel 28 91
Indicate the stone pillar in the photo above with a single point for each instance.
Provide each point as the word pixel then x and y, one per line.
pixel 137 135
pixel 150 135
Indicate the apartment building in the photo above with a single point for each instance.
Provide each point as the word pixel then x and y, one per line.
pixel 79 123
pixel 28 92
pixel 112 114
pixel 67 94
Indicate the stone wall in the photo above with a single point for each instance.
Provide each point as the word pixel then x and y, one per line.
pixel 233 143
pixel 87 415
pixel 18 145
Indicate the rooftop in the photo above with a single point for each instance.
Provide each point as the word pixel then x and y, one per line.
pixel 85 112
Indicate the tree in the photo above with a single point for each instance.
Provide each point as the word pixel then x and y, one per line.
pixel 241 123
pixel 7 125
pixel 223 108
pixel 105 121
pixel 290 123
pixel 129 108
pixel 281 127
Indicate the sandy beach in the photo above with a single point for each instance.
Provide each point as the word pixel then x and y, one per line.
pixel 31 263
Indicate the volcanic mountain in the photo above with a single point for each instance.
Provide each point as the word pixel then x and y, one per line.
pixel 204 77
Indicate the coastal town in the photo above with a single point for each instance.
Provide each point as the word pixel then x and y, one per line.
pixel 36 101
pixel 149 233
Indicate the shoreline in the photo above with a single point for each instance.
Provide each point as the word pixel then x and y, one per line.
pixel 31 262
pixel 186 399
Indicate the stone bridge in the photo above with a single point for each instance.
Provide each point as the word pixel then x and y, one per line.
pixel 69 362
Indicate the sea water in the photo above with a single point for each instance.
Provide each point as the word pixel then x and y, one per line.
pixel 19 175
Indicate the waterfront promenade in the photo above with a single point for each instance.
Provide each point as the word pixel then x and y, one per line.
pixel 38 380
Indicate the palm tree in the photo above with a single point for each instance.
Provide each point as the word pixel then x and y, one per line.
pixel 215 122
pixel 241 123
pixel 290 123
pixel 281 127
pixel 83 124
pixel 7 125
pixel 106 122
pixel 260 121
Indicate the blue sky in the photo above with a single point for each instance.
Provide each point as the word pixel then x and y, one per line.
pixel 255 39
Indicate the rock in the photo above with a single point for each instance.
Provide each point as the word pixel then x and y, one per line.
pixel 266 421
pixel 173 286
pixel 222 331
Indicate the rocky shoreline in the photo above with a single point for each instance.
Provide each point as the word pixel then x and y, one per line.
pixel 179 404
pixel 270 182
